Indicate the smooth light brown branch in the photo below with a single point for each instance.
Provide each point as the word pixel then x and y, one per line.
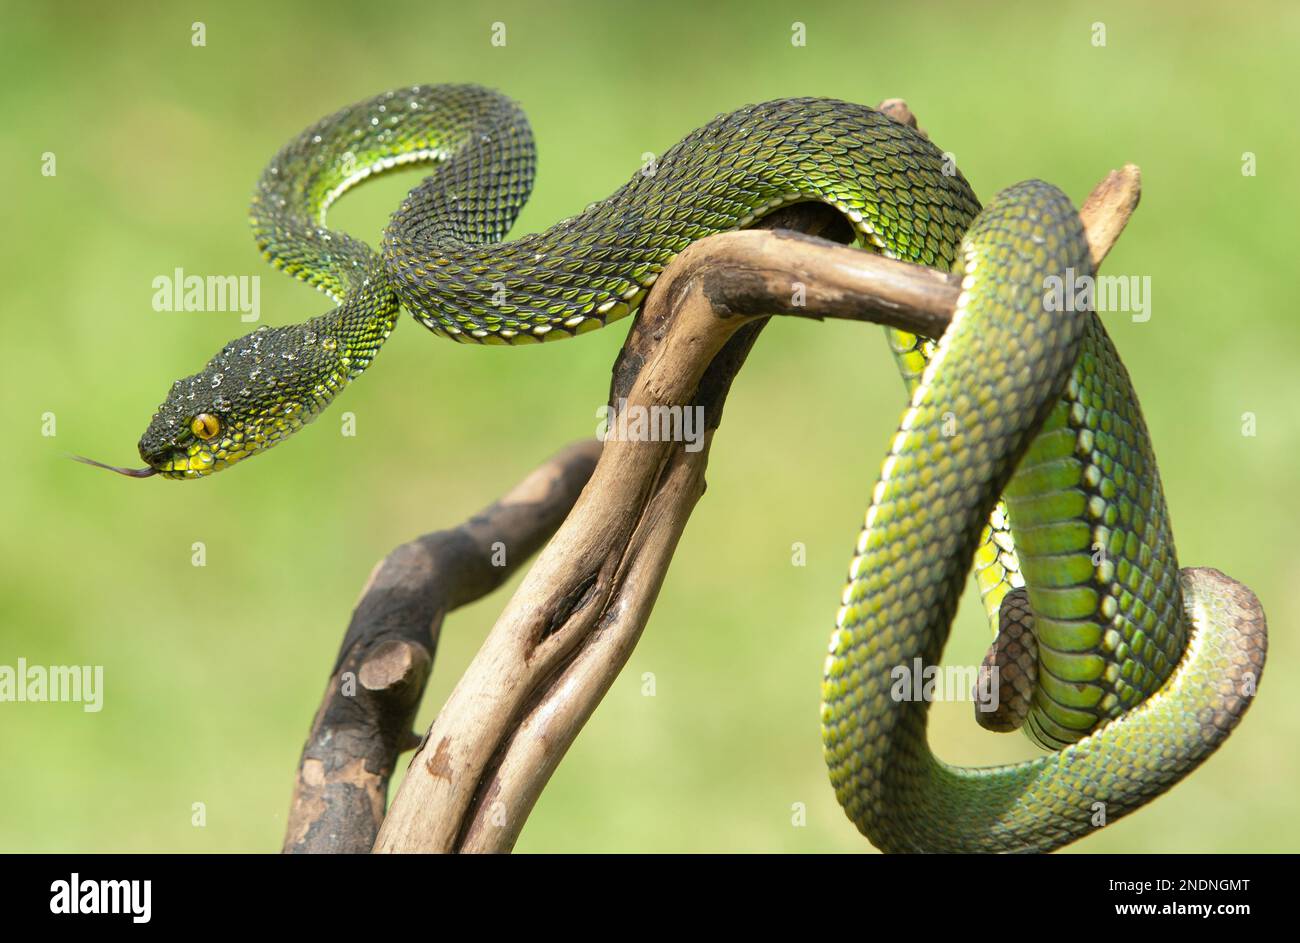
pixel 1107 210
pixel 573 622
pixel 364 720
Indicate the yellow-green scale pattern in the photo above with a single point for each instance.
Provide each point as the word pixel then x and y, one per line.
pixel 1013 383
pixel 1097 552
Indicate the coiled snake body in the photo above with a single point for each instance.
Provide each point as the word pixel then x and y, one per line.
pixel 1135 673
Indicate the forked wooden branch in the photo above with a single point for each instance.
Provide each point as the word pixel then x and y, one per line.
pixel 378 680
pixel 572 624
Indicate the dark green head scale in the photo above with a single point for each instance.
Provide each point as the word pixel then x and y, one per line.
pixel 259 389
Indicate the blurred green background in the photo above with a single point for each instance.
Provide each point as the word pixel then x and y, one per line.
pixel 212 673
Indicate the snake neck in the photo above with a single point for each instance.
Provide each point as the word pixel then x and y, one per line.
pixel 313 361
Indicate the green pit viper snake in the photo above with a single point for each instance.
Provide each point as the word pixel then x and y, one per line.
pixel 1135 673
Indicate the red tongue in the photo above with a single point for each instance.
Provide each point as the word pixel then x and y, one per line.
pixel 129 472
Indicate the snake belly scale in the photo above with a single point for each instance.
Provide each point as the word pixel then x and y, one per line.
pixel 1022 452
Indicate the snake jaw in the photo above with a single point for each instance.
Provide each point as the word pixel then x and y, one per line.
pixel 190 457
pixel 171 450
pixel 180 464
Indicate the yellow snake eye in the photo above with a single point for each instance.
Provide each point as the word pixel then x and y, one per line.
pixel 205 426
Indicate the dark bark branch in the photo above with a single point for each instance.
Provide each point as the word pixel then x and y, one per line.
pixel 365 718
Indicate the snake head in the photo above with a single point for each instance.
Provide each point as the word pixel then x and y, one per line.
pixel 260 389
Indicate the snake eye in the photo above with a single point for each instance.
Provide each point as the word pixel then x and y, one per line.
pixel 205 426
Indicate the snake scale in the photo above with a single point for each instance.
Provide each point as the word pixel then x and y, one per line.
pixel 1022 453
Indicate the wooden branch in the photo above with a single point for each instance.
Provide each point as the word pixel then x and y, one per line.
pixel 364 720
pixel 572 624
pixel 1107 210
